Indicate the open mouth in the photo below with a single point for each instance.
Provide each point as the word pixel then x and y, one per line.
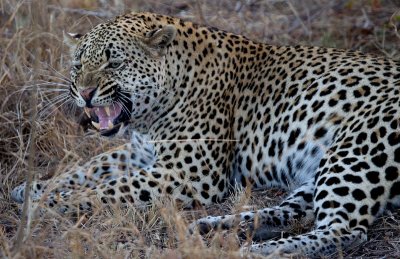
pixel 107 119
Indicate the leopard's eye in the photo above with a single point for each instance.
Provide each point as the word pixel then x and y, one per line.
pixel 114 65
pixel 78 67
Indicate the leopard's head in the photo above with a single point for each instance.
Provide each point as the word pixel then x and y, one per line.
pixel 118 71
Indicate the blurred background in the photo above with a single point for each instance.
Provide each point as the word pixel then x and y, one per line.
pixel 352 24
pixel 40 132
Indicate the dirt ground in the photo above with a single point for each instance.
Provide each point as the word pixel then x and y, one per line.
pixel 40 133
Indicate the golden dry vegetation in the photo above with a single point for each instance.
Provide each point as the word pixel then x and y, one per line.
pixel 40 134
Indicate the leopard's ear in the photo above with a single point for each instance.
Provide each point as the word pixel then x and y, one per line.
pixel 156 42
pixel 71 40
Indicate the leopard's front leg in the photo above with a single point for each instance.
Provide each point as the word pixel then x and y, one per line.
pixel 135 174
pixel 137 187
pixel 137 154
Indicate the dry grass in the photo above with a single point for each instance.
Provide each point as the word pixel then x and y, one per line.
pixel 32 55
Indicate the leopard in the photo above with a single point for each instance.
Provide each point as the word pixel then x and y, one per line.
pixel 205 111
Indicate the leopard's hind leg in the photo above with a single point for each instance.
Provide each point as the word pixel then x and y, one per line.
pixel 351 191
pixel 268 222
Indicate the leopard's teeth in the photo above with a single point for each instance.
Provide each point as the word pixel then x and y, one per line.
pixel 96 125
pixel 107 109
pixel 110 124
pixel 87 111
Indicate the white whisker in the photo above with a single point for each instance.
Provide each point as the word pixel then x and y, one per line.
pixel 44 86
pixel 124 108
pixel 54 90
pixel 55 77
pixel 60 77
pixel 124 97
pixel 57 97
pixel 55 101
pixel 54 107
pixel 55 70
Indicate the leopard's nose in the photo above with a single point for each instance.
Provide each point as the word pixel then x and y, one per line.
pixel 87 95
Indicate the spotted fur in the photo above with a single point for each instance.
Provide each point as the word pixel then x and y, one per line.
pixel 220 110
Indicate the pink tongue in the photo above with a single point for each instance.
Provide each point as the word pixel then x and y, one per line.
pixel 105 120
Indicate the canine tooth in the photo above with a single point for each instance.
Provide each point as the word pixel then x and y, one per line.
pixel 87 111
pixel 96 125
pixel 110 125
pixel 107 109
